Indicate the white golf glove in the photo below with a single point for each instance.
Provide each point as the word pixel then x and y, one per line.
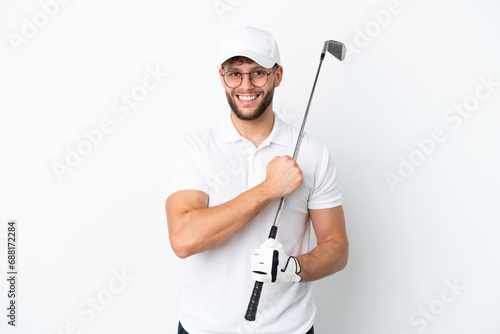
pixel 270 263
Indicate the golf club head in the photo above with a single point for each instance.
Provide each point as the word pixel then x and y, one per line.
pixel 337 49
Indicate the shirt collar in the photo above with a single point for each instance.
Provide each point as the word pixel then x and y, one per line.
pixel 227 133
pixel 279 134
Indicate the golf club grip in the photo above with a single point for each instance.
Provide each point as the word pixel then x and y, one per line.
pixel 273 232
pixel 254 301
pixel 257 288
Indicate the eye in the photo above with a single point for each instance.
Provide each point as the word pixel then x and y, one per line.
pixel 258 73
pixel 234 74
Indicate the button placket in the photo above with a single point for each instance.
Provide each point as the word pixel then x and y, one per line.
pixel 258 169
pixel 250 150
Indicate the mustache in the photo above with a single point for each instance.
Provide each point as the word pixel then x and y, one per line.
pixel 256 92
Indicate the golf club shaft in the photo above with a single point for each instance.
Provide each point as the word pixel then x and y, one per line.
pixel 257 289
pixel 301 133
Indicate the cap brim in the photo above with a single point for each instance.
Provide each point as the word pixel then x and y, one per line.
pixel 263 61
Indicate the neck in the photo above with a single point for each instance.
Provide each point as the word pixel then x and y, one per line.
pixel 257 130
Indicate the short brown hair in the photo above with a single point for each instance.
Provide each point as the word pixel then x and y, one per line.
pixel 237 59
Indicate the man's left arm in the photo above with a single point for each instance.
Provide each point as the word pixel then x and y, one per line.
pixel 332 251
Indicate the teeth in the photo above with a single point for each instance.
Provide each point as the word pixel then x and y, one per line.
pixel 247 97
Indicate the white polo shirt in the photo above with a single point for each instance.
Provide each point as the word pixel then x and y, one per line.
pixel 223 164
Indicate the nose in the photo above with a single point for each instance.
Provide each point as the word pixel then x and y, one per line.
pixel 246 83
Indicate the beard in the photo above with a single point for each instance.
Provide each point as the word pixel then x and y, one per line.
pixel 261 108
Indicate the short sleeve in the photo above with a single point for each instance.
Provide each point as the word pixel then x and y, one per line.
pixel 185 170
pixel 326 192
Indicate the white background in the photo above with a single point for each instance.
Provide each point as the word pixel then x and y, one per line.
pixel 402 75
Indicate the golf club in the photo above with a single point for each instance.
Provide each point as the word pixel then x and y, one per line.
pixel 337 49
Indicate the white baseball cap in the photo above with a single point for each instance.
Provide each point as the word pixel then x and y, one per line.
pixel 256 44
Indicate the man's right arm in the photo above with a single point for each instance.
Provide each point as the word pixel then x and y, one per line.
pixel 193 227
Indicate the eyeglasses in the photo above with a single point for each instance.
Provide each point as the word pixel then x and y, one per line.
pixel 258 78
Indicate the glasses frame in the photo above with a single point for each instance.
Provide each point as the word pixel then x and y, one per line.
pixel 275 66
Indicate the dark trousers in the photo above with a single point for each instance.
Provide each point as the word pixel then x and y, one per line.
pixel 181 330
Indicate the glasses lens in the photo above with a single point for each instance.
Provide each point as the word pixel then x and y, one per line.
pixel 232 79
pixel 258 78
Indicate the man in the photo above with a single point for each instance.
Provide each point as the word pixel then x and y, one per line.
pixel 224 188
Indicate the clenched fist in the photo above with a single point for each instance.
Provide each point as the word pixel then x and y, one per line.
pixel 283 176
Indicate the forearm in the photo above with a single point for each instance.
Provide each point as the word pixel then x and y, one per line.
pixel 201 229
pixel 323 260
pixel 193 227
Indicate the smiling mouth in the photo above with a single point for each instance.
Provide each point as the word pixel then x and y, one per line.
pixel 247 98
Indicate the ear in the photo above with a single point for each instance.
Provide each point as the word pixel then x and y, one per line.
pixel 221 77
pixel 278 75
